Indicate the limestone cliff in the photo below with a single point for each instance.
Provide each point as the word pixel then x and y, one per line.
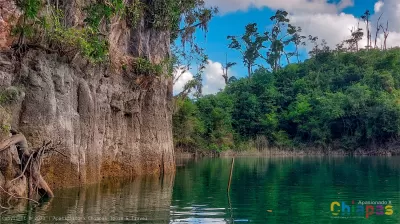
pixel 110 122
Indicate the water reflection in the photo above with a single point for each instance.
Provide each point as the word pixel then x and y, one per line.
pixel 286 189
pixel 263 190
pixel 144 199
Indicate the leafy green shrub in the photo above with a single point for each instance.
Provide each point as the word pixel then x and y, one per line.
pixel 86 40
pixel 9 95
pixel 135 11
pixel 103 10
pixel 143 66
pixel 6 128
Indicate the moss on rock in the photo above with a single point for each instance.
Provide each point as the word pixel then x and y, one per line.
pixel 5 123
pixel 10 95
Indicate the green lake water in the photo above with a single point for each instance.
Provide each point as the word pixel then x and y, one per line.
pixel 263 190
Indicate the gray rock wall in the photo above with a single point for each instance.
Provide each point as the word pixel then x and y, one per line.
pixel 107 124
pixel 110 123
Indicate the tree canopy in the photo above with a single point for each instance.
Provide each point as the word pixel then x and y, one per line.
pixel 336 99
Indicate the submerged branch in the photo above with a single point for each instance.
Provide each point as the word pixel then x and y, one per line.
pixel 16 197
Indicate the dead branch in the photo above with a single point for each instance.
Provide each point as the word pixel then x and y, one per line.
pixel 385 35
pixel 16 197
pixel 60 153
pixel 23 171
pixel 378 28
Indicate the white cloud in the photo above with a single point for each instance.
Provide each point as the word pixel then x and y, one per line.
pixel 314 6
pixel 345 4
pixel 212 79
pixel 334 28
pixel 392 41
pixel 182 80
pixel 316 17
pixel 378 6
pixel 390 11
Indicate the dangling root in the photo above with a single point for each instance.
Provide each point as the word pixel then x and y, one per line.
pixel 18 139
pixel 31 161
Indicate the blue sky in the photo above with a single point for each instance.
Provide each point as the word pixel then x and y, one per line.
pixel 326 19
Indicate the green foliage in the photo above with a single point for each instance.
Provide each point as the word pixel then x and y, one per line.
pixel 207 122
pixel 252 44
pixel 5 128
pixel 42 22
pixel 103 10
pixel 183 19
pixel 31 8
pixel 249 45
pixel 5 120
pixel 166 14
pixel 86 40
pixel 180 17
pixel 187 127
pixel 215 113
pixel 50 26
pixel 143 66
pixel 9 95
pixel 350 101
pixel 135 12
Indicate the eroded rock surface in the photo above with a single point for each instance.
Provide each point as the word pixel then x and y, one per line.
pixel 9 15
pixel 110 123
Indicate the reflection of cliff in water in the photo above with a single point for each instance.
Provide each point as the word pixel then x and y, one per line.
pixel 146 198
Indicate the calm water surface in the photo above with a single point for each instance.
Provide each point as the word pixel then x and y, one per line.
pixel 263 190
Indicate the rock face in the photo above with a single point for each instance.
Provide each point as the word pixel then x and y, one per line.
pixel 9 14
pixel 109 123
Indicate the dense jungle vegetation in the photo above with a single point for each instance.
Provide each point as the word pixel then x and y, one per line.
pixel 344 98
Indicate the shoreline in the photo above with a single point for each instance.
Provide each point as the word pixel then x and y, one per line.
pixel 282 152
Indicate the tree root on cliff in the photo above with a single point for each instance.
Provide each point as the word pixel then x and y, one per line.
pixel 18 140
pixel 31 161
